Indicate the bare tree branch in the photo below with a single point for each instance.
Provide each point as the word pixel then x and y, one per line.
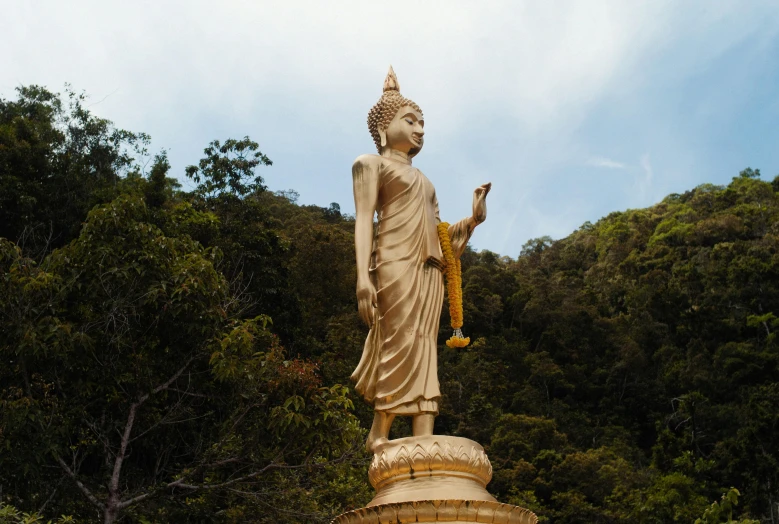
pixel 53 492
pixel 114 485
pixel 179 483
pixel 88 494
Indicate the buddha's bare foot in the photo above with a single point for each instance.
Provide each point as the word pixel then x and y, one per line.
pixel 371 445
pixel 379 433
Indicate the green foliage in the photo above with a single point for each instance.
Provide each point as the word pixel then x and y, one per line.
pixel 56 162
pixel 723 511
pixel 157 191
pixel 135 371
pixel 647 338
pixel 229 167
pixel 626 373
pixel 10 515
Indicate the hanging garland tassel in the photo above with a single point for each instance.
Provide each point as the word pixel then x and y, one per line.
pixel 454 284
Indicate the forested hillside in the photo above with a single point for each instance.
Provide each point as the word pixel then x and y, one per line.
pixel 183 356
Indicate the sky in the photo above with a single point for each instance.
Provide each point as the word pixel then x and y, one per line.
pixel 572 110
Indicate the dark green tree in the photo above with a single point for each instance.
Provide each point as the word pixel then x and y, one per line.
pixel 57 160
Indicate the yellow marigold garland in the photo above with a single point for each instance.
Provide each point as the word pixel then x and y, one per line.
pixel 454 284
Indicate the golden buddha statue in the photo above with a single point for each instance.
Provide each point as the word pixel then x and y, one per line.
pixel 400 291
pixel 400 287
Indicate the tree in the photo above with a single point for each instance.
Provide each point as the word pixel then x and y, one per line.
pixel 10 515
pixel 56 162
pixel 229 167
pixel 137 379
pixel 625 373
pixel 718 511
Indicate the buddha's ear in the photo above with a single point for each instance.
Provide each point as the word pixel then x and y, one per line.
pixel 383 136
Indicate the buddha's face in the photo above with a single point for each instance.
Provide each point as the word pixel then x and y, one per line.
pixel 406 131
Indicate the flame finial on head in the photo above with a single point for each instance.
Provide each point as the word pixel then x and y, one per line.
pixel 391 82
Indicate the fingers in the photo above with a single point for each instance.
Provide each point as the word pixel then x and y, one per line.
pixel 483 189
pixel 362 306
pixel 367 311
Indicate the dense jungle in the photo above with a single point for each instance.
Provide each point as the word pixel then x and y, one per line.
pixel 184 356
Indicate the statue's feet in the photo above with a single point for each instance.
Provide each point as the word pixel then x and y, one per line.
pixel 380 429
pixel 374 442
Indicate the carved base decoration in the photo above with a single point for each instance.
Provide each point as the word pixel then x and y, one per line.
pixel 433 479
pixel 436 467
pixel 453 511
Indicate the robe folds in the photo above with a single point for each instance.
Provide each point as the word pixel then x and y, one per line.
pixel 398 371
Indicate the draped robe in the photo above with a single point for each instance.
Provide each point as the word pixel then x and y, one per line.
pixel 398 371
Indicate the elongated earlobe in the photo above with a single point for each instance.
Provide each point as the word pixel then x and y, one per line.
pixel 383 136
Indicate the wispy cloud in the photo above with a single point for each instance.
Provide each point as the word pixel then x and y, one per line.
pixel 599 161
pixel 645 183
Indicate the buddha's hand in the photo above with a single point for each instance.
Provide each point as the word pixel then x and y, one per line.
pixel 366 301
pixel 480 202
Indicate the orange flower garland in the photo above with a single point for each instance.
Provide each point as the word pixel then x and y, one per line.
pixel 454 284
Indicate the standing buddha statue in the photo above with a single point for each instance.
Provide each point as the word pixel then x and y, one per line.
pixel 400 290
pixel 400 265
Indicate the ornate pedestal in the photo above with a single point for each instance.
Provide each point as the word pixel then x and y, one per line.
pixel 433 479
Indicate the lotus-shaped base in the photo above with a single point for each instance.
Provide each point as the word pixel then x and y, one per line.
pixel 433 479
pixel 429 468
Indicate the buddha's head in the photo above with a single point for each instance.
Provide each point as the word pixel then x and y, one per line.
pixel 396 122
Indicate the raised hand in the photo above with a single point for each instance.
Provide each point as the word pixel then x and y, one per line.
pixel 480 202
